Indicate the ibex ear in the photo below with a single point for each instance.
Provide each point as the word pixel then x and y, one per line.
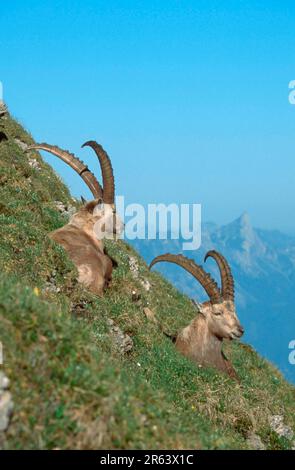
pixel 203 309
pixel 90 206
pixel 83 200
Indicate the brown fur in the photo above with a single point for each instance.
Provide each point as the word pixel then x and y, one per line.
pixel 201 340
pixel 86 251
pixel 83 236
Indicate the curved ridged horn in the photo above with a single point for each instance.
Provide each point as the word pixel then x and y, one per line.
pixel 106 170
pixel 227 281
pixel 74 163
pixel 197 271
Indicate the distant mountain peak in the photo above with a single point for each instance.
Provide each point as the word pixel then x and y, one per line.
pixel 242 223
pixel 241 242
pixel 242 229
pixel 246 231
pixel 244 220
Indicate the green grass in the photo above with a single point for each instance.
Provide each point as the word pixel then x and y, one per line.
pixel 70 385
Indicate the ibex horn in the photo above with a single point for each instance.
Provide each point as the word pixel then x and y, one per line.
pixel 74 163
pixel 197 271
pixel 106 170
pixel 227 281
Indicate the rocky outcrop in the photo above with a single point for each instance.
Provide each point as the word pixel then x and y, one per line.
pixel 66 210
pixel 6 404
pixel 22 145
pixel 277 424
pixel 3 109
pixel 134 268
pixel 254 441
pixel 123 342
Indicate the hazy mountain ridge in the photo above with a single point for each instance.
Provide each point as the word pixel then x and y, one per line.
pixel 263 263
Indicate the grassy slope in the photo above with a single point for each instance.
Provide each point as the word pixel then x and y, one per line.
pixel 71 387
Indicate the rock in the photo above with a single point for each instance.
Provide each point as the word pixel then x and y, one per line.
pixel 3 109
pixel 34 164
pixel 60 206
pixel 71 210
pixel 254 441
pixel 145 284
pixel 64 209
pixel 123 342
pixel 6 408
pixel 133 265
pixel 276 423
pixel 50 285
pixel 6 403
pixel 150 315
pixel 126 344
pixel 4 381
pixel 134 268
pixel 21 144
pixel 80 309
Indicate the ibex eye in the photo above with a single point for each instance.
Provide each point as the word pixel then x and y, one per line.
pixel 217 313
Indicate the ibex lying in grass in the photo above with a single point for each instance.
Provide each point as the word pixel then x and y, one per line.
pixel 201 340
pixel 83 236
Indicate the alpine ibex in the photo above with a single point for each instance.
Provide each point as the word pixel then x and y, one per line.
pixel 83 236
pixel 202 339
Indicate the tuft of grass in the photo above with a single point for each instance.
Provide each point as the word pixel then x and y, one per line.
pixel 70 385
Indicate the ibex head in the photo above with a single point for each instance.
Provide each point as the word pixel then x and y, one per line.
pixel 219 312
pixel 97 217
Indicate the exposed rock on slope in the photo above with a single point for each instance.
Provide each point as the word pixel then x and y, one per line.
pixel 6 403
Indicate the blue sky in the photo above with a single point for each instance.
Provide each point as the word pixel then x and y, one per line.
pixel 189 97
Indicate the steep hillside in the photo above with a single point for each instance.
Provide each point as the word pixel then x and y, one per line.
pixel 96 373
pixel 263 263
